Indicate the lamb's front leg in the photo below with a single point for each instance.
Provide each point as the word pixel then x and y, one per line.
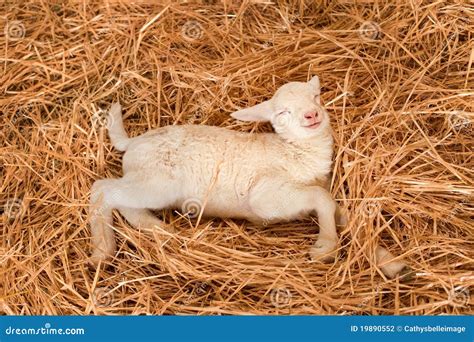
pixel 390 265
pixel 273 200
pixel 325 248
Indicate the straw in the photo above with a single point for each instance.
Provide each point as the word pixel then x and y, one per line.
pixel 397 79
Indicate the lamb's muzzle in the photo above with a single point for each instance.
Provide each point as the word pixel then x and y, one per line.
pixel 280 177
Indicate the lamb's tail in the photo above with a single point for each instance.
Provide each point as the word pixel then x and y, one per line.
pixel 117 133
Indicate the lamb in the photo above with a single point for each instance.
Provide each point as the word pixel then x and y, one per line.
pixel 263 178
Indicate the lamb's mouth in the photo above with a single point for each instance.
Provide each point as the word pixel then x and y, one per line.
pixel 314 125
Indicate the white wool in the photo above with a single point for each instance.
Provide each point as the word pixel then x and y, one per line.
pixel 267 177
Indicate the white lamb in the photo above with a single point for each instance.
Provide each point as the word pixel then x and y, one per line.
pixel 264 177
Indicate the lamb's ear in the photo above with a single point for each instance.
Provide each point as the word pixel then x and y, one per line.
pixel 314 83
pixel 261 112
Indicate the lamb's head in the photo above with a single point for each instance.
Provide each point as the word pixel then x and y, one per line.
pixel 294 111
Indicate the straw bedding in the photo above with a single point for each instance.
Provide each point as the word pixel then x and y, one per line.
pixel 398 81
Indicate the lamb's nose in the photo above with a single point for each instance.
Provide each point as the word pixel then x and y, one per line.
pixel 310 115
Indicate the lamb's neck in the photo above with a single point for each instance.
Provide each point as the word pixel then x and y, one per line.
pixel 324 140
pixel 312 157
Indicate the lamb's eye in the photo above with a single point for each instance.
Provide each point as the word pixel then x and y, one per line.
pixel 285 112
pixel 317 98
pixel 281 120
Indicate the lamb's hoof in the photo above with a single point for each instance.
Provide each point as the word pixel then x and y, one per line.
pixel 324 251
pixel 398 268
pixel 341 218
pixel 97 258
pixel 407 274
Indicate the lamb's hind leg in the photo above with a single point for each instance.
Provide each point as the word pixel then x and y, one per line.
pixel 143 218
pixel 280 201
pixel 341 216
pixel 130 192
